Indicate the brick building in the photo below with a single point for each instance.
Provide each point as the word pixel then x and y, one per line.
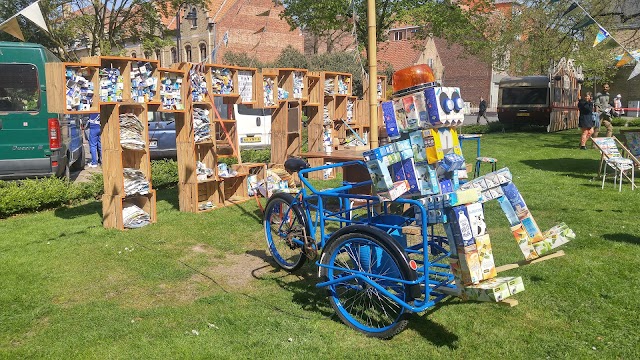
pixel 250 26
pixel 450 65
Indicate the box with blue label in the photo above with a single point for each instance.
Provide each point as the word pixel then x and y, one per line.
pixel 421 107
pixel 380 175
pixel 398 189
pixel 417 145
pixel 460 226
pixel 397 171
pixel 437 116
pixel 390 122
pixel 427 178
pixel 410 175
pixel 401 117
pixel 515 199
pixel 375 154
pixel 410 111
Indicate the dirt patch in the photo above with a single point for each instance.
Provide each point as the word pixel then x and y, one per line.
pixel 239 271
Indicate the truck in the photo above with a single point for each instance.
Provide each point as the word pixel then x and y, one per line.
pixel 34 142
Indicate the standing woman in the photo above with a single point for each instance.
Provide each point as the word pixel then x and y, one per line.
pixel 585 121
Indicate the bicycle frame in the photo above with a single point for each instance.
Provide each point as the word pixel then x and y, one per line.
pixel 430 256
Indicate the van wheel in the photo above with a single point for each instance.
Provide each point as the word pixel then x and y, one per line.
pixel 79 164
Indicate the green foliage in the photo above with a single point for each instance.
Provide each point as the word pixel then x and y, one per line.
pixel 242 59
pixel 164 173
pixel 37 194
pixel 625 121
pixel 291 57
pixel 256 156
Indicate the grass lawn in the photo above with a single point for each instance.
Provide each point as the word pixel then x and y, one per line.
pixel 201 286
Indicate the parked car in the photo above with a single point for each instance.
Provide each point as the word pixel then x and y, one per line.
pixel 162 135
pixel 34 142
pixel 254 127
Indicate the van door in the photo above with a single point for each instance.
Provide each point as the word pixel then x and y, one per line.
pixel 23 127
pixel 254 126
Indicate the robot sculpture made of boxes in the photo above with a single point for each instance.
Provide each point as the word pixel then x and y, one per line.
pixel 424 161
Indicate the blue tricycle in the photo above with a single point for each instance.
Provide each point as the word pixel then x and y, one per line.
pixel 374 276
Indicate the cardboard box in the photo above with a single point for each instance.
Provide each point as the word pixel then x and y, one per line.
pixel 454 265
pixel 401 117
pixel 508 211
pixel 485 256
pixel 462 197
pixel 476 219
pixel 469 264
pixel 398 188
pixel 410 111
pixel 514 284
pixel 437 115
pixel 390 123
pixel 456 117
pixel 379 175
pixel 417 145
pixel 492 290
pixel 421 107
pixel 411 175
pixel 520 234
pixel 535 235
pixel 514 197
pixel 433 146
pixel 427 178
pixel 461 227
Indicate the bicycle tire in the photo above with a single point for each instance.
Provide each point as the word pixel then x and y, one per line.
pixel 358 304
pixel 288 257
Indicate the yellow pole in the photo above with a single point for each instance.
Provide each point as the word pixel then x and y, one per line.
pixel 373 73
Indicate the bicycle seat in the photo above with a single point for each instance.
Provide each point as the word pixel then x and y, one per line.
pixel 295 164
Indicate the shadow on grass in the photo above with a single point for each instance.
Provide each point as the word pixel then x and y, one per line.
pixel 576 168
pixel 70 213
pixel 170 195
pixel 302 284
pixel 620 237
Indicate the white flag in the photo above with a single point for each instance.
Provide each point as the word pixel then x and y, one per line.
pixel 33 13
pixel 635 72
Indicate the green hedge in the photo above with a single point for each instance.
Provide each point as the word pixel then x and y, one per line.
pixel 635 122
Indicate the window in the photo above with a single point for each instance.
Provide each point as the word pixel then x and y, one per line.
pixel 203 52
pixel 525 96
pixel 430 63
pixel 19 87
pixel 398 35
pixel 133 55
pixel 187 50
pixel 147 54
pixel 174 56
pixel 194 21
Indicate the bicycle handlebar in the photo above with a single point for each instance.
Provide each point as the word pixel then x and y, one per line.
pixel 306 182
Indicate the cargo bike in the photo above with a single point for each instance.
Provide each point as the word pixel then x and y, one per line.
pixel 373 276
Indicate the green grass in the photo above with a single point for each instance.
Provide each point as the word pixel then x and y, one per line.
pixel 71 289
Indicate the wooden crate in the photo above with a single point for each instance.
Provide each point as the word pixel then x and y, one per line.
pixel 382 88
pixel 314 128
pixel 112 206
pixel 314 89
pixel 169 80
pixel 59 87
pixel 247 85
pixel 268 79
pixel 294 81
pixel 224 80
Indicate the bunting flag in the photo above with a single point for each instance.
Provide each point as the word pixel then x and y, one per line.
pixel 225 38
pixel 12 27
pixel 588 20
pixel 635 72
pixel 266 13
pixel 570 9
pixel 601 36
pixel 33 13
pixel 626 57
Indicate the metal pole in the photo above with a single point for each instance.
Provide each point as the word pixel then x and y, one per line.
pixel 373 73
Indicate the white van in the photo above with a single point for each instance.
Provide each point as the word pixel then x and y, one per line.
pixel 254 127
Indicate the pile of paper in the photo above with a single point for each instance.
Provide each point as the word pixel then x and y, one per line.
pixel 135 182
pixel 203 172
pixel 131 129
pixel 133 217
pixel 201 128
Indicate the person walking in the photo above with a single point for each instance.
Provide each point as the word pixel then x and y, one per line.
pixel 95 145
pixel 602 107
pixel 586 120
pixel 482 111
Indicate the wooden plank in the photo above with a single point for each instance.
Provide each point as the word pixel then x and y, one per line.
pixel 524 262
pixel 508 302
pixel 56 87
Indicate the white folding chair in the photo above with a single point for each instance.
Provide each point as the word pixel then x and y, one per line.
pixel 620 166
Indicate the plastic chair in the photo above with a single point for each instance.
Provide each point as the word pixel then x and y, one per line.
pixel 621 161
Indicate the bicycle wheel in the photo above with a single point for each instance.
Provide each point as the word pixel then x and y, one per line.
pixel 283 227
pixel 357 303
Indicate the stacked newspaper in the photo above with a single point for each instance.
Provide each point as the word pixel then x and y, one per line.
pixel 131 129
pixel 133 217
pixel 201 122
pixel 135 182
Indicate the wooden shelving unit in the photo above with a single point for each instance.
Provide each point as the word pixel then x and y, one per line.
pixel 295 83
pixel 268 88
pixel 72 88
pixel 214 191
pixel 314 89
